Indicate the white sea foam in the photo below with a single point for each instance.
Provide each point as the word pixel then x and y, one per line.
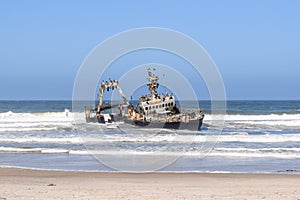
pixel 258 153
pixel 266 138
pixel 288 120
pixel 22 129
pixel 287 153
pixel 261 150
pixel 270 138
pixel 25 122
pixel 156 139
pixel 284 153
pixel 20 150
pixel 61 140
pixel 28 125
pixel 42 150
pixel 36 117
pixel 276 117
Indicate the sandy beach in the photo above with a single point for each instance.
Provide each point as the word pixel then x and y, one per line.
pixel 36 184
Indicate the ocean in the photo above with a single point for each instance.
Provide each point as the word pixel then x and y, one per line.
pixel 257 137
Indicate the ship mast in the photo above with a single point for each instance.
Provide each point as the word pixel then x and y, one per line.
pixel 152 83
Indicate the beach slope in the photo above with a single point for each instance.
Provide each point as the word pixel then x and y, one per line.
pixel 38 184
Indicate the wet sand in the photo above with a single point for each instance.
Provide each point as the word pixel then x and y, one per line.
pixel 37 184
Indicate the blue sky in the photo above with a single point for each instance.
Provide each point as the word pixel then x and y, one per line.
pixel 255 44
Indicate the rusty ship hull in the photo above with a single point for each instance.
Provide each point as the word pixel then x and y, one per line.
pixel 193 125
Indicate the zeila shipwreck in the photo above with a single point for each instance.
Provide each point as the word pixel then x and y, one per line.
pixel 151 111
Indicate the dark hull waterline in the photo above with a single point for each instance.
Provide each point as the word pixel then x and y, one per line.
pixel 193 125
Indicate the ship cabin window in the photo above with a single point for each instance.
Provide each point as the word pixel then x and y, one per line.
pixel 156 106
pixel 146 108
pixel 171 103
pixel 153 107
pixel 159 105
pixel 163 105
pixel 149 107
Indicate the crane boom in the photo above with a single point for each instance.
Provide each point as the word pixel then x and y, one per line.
pixel 109 85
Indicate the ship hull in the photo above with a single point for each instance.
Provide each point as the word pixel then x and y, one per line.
pixel 193 125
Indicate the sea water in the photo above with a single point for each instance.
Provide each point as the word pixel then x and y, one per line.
pixel 257 137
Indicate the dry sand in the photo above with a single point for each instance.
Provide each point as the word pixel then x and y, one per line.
pixel 35 184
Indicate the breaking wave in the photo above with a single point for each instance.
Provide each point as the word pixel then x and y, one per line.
pixel 26 122
pixel 58 140
pixel 274 120
pixel 285 153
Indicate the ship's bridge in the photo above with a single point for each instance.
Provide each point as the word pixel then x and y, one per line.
pixel 160 105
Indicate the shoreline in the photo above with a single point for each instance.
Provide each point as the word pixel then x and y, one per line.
pixel 281 172
pixel 19 183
